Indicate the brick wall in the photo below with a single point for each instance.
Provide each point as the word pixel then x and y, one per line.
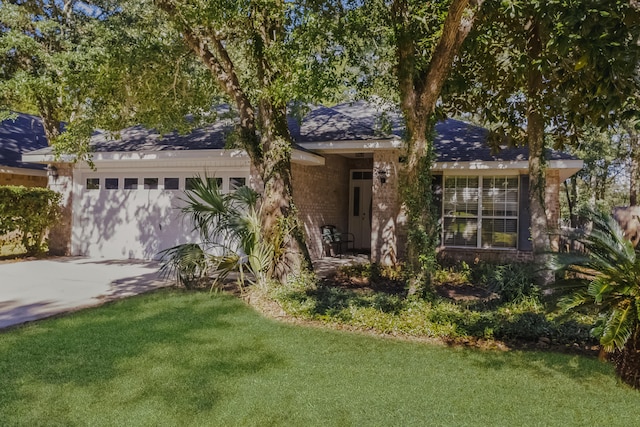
pixel 472 255
pixel 387 221
pixel 321 194
pixel 26 180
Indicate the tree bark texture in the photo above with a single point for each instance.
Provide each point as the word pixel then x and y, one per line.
pixel 627 361
pixel 634 166
pixel 535 134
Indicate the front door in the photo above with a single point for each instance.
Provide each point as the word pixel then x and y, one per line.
pixel 360 207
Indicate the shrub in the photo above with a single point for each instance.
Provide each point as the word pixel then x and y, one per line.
pixel 513 282
pixel 458 274
pixel 26 214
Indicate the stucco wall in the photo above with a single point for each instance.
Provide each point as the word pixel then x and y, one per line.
pixel 321 194
pixel 26 180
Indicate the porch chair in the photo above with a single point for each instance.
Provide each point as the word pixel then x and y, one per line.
pixel 335 241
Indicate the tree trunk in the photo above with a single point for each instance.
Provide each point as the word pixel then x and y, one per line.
pixel 535 136
pixel 280 223
pixel 50 120
pixel 627 361
pixel 634 165
pixel 419 91
pixel 571 200
pixel 417 199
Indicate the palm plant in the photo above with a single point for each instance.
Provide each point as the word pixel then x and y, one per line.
pixel 605 277
pixel 230 233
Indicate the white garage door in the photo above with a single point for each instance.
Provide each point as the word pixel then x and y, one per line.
pixel 124 215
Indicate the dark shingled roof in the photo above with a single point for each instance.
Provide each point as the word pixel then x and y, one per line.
pixel 455 141
pixel 20 135
pixel 138 138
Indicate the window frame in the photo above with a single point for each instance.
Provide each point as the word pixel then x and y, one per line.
pixel 480 216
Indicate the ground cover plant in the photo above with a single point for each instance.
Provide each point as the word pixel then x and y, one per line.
pixel 486 302
pixel 195 358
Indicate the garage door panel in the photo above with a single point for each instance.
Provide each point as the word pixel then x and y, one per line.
pixel 129 223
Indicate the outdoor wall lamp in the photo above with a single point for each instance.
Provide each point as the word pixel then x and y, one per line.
pixel 52 172
pixel 382 176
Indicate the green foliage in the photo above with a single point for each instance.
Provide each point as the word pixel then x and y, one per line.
pixel 98 65
pixel 588 63
pixel 385 311
pixel 456 275
pixel 374 271
pixel 229 226
pixel 600 184
pixel 513 282
pixel 26 214
pixel 604 279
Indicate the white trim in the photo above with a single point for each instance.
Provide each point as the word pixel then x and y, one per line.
pixel 365 146
pixel 23 171
pixel 306 158
pixel 240 156
pixel 566 168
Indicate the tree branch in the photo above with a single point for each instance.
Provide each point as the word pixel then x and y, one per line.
pixel 457 25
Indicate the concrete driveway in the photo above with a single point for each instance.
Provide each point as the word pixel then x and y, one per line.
pixel 31 290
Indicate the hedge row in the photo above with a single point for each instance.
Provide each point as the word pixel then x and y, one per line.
pixel 26 214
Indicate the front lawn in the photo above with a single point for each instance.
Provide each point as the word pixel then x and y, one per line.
pixel 178 358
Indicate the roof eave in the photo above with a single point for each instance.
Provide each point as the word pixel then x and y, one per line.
pixel 298 156
pixel 566 167
pixel 349 147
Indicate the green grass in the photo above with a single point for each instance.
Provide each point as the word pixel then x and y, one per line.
pixel 177 358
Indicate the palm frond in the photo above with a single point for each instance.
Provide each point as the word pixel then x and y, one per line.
pixel 187 263
pixel 618 328
pixel 606 277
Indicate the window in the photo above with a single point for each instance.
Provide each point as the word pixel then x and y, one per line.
pixel 190 183
pixel 500 212
pixel 480 212
pixel 150 183
pixel 111 183
pixel 236 183
pixel 93 183
pixel 358 175
pixel 131 183
pixel 171 183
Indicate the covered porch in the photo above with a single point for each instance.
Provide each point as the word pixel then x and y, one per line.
pixel 356 190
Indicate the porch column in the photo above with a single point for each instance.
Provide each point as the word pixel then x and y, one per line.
pixel 60 235
pixel 385 216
